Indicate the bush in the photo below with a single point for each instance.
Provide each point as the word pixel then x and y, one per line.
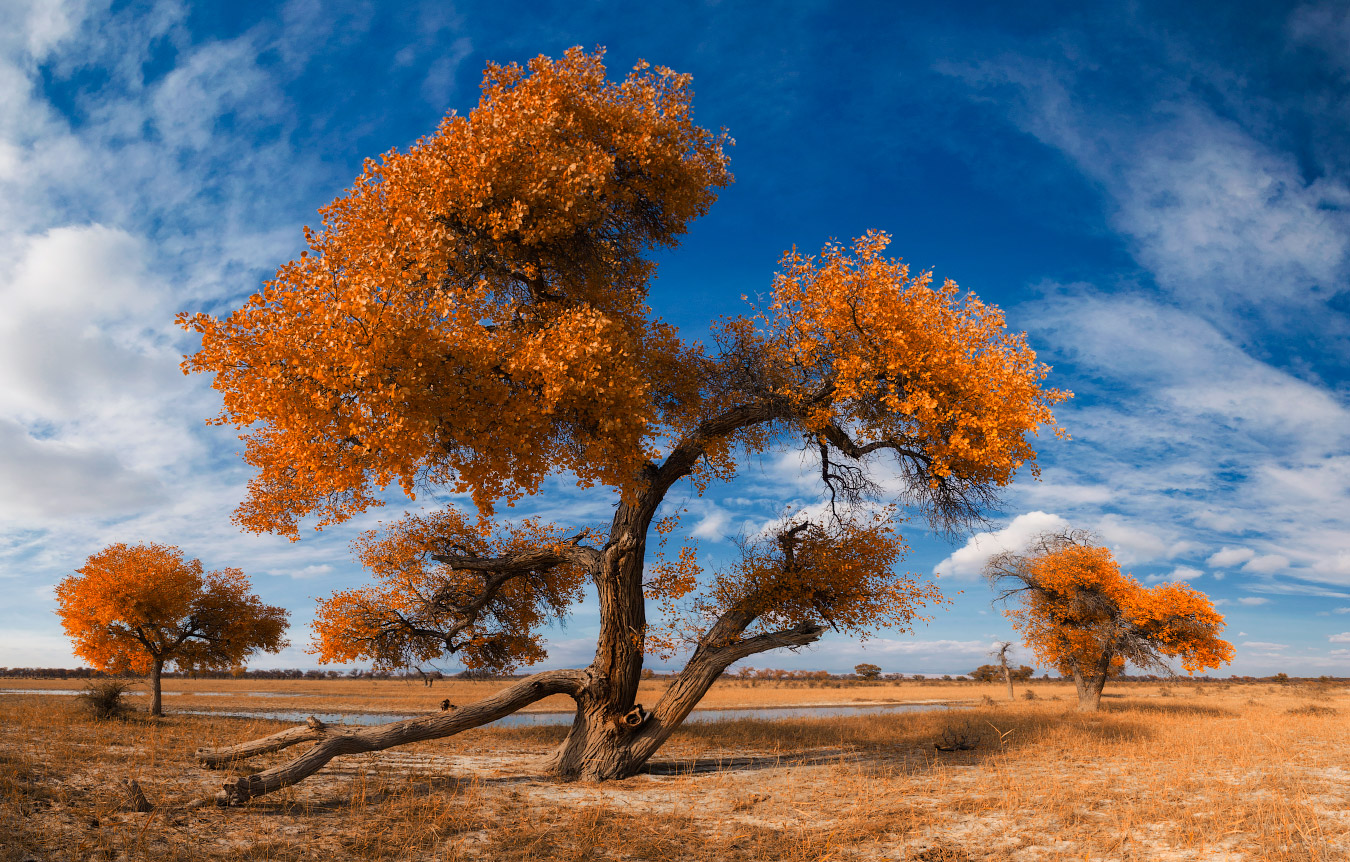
pixel 1311 709
pixel 102 699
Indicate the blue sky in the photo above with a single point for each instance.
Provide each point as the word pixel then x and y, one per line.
pixel 1157 193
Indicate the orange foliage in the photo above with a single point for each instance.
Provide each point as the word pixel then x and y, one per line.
pixel 473 316
pixel 1079 612
pixel 422 607
pixel 842 574
pixel 130 606
pixel 497 263
pixel 855 342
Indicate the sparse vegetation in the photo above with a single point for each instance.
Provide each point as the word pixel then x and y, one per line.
pixel 1145 778
pixel 102 699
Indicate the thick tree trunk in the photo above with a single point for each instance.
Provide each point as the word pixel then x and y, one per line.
pixel 606 745
pixel 333 742
pixel 156 670
pixel 595 747
pixel 1089 690
pixel 1007 679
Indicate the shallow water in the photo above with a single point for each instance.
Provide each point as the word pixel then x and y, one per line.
pixel 537 719
pixel 73 691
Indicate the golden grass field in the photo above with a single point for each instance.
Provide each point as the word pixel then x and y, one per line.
pixel 1213 771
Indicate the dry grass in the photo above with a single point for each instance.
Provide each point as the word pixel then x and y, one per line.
pixel 400 696
pixel 1213 772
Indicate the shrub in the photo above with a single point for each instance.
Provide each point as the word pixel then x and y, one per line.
pixel 1311 709
pixel 102 699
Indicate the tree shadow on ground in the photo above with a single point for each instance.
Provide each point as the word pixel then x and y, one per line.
pixel 696 765
pixel 1173 709
pixel 911 742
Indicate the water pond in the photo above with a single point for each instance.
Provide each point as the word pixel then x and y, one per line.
pixel 74 691
pixel 537 719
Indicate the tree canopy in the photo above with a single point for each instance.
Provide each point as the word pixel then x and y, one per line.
pixel 140 608
pixel 472 316
pixel 1079 613
pixel 994 672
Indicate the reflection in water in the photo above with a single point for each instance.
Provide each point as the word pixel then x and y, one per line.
pixel 536 719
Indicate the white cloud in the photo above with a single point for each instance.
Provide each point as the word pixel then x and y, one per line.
pixel 1262 645
pixel 1342 638
pixel 314 570
pixel 714 522
pixel 1230 556
pixel 1177 575
pixel 969 561
pixel 1221 219
pixel 1267 564
pixel 1135 544
pixel 1253 600
pixel 1337 564
pixel 49 479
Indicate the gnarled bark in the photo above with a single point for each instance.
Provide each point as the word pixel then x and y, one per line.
pixel 333 742
pixel 1090 686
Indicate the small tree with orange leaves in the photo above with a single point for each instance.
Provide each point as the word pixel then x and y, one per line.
pixel 473 316
pixel 140 608
pixel 1079 613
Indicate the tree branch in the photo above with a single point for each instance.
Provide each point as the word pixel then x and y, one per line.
pixel 333 742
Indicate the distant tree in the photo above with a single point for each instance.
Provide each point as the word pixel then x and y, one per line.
pixel 1080 614
pixel 1002 653
pixel 473 316
pixel 1023 673
pixel 138 608
pixel 986 673
pixel 867 671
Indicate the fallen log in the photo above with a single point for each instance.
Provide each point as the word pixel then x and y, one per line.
pixel 333 742
pixel 218 758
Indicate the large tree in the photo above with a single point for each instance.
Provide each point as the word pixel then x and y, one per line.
pixel 140 608
pixel 1078 612
pixel 472 316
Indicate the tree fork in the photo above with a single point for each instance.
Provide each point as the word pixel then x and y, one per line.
pixel 333 743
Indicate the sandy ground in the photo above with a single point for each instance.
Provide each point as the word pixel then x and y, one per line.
pixel 1233 773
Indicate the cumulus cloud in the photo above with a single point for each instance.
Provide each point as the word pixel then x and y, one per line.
pixel 969 561
pixel 714 522
pixel 1177 575
pixel 1132 543
pixel 1253 601
pixel 1230 556
pixel 1342 638
pixel 49 479
pixel 1267 564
